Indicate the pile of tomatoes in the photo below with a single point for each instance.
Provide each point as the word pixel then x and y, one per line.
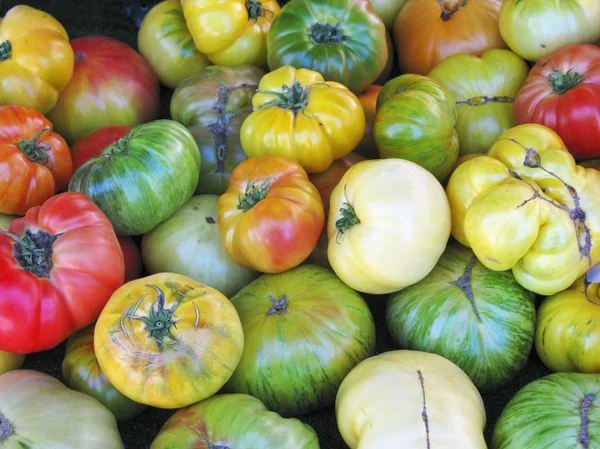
pixel 438 155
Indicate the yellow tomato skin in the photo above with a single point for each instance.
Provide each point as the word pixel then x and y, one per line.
pixel 326 124
pixel 191 364
pixel 382 403
pixel 403 230
pixel 10 361
pixel 526 206
pixel 40 61
pixel 228 32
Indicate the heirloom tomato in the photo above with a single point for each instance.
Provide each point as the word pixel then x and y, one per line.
pixel 300 116
pixel 10 361
pixel 213 105
pixel 279 311
pixel 143 178
pixel 526 206
pixel 233 421
pixel 189 243
pixel 35 161
pixel 386 74
pixel 428 31
pixel 166 43
pixel 562 92
pixel 410 399
pixel 132 258
pixel 36 59
pixel 271 215
pixel 5 221
pixel 343 40
pixel 535 28
pixel 94 143
pixel 383 213
pixel 367 147
pixel 231 32
pixel 51 257
pixel 484 89
pixel 415 120
pixel 168 341
pixel 111 85
pixel 388 10
pixel 82 372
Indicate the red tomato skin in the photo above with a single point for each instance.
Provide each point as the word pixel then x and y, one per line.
pixel 38 313
pixel 132 258
pixel 92 144
pixel 573 115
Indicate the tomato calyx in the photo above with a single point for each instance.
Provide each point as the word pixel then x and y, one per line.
pixel 255 192
pixel 160 320
pixel 349 219
pixel 563 82
pixel 464 283
pixel 34 149
pixel 327 34
pixel 210 220
pixel 5 51
pixel 120 146
pixel 294 98
pixel 480 101
pixel 449 7
pixel 33 251
pixel 279 306
pixel 255 9
pixel 6 428
pixel 584 409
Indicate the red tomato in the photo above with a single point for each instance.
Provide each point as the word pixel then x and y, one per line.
pixel 92 144
pixel 562 92
pixel 111 85
pixel 35 162
pixel 57 271
pixel 132 257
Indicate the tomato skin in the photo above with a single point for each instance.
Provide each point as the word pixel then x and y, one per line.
pixel 575 114
pixel 388 10
pixel 111 85
pixel 132 257
pixel 367 147
pixel 278 232
pixel 92 144
pixel 10 361
pixel 40 312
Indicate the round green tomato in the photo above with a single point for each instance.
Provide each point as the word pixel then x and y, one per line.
pixel 559 411
pixel 213 105
pixel 415 120
pixel 388 10
pixel 300 342
pixel 189 243
pixel 482 320
pixel 82 372
pixel 143 178
pixel 235 421
pixel 343 40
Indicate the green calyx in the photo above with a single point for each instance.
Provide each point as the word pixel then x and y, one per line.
pixel 120 146
pixel 160 320
pixel 348 220
pixel 326 34
pixel 279 306
pixel 255 192
pixel 5 51
pixel 34 149
pixel 33 252
pixel 563 82
pixel 255 9
pixel 294 98
pixel 6 428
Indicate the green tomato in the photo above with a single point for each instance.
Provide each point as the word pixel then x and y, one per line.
pixel 342 40
pixel 235 421
pixel 388 10
pixel 300 342
pixel 189 243
pixel 143 178
pixel 559 411
pixel 415 120
pixel 480 319
pixel 213 105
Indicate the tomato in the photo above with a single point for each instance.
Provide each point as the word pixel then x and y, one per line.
pixel 35 161
pixel 278 311
pixel 382 213
pixel 535 28
pixel 213 105
pixel 92 144
pixel 367 147
pixel 484 89
pixel 390 64
pixel 388 10
pixel 415 120
pixel 233 421
pixel 591 163
pixel 166 43
pixel 168 341
pixel 231 32
pixel 343 40
pixel 111 85
pixel 189 243
pixel 562 92
pixel 142 179
pixel 36 60
pixel 271 215
pixel 300 116
pixel 132 258
pixel 5 221
pixel 428 31
pixel 10 361
pixel 38 411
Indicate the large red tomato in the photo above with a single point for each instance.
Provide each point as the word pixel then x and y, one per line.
pixel 34 161
pixel 111 85
pixel 57 271
pixel 92 144
pixel 562 92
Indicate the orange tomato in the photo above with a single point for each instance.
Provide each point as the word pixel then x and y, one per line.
pixel 368 99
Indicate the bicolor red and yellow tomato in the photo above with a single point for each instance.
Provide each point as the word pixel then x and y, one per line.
pixel 111 85
pixel 92 144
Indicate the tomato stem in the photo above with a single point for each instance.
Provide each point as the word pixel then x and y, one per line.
pixel 326 34
pixel 255 192
pixel 35 150
pixel 6 428
pixel 294 98
pixel 563 82
pixel 255 9
pixel 449 8
pixel 279 306
pixel 160 320
pixel 5 51
pixel 349 219
pixel 33 251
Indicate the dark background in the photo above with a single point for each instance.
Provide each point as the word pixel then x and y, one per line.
pixel 117 19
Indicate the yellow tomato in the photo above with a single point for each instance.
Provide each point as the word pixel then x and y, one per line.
pixel 389 223
pixel 231 32
pixel 300 116
pixel 10 361
pixel 168 341
pixel 410 400
pixel 36 59
pixel 165 42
